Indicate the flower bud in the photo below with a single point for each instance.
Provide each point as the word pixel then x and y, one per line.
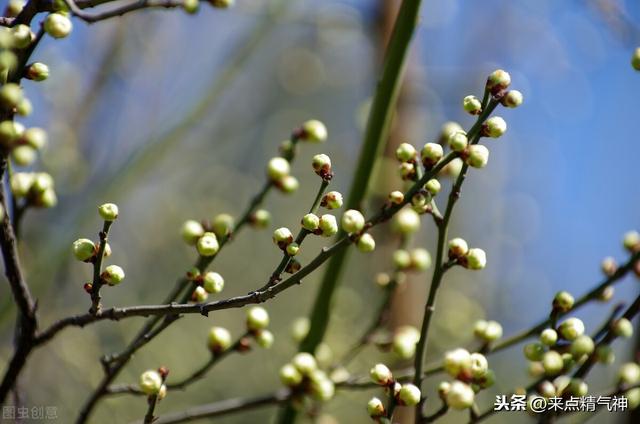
pixel 623 328
pixel 265 339
pixel 512 99
pixel 487 380
pixel 257 318
pixel 366 243
pixel 458 141
pixel 191 231
pixel 290 376
pixel 84 249
pixel 292 249
pixel 278 168
pixel 609 266
pixel 458 247
pixel 24 155
pixel 300 329
pixel 24 108
pixel 150 382
pixel 633 398
pixel 328 225
pixel 162 393
pixel 20 183
pixel 631 241
pixel 406 221
pixel 404 342
pixel 396 197
pixel 381 375
pixel 305 363
pixel 492 332
pixel 113 275
pixel 222 4
pixel 8 60
pixel 332 200
pixel 476 259
pixel 375 408
pixel 635 59
pixel 10 132
pixel 582 345
pixel 108 211
pixel 288 184
pixel 401 259
pixel 563 301
pixel 472 105
pixel 37 71
pixel 571 328
pixel 57 25
pixel 322 389
pixel 548 337
pixel 409 395
pixel 460 396
pixel 457 361
pixel 46 199
pixel 310 222
pixel 223 224
pixel 321 164
pixel 207 245
pixel 577 387
pixel 478 156
pixel 494 127
pixel 420 259
pixel 433 186
pixel 535 369
pixel 498 80
pixel 407 171
pixel 431 153
pixel 552 363
pixel 479 365
pixel 213 282
pixel 219 339
pixel 629 373
pixel 418 201
pixel 14 7
pixel 10 95
pixel 352 221
pixel 35 137
pixel 406 152
pixel 260 219
pixel 282 237
pixel 314 131
pixel 533 351
pixel 605 354
pixel 191 6
pixel 22 36
pixel 443 389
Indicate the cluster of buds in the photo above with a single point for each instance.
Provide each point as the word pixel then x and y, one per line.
pixel 278 171
pixel 312 131
pixel 470 258
pixel 257 323
pixel 24 144
pixel 204 235
pixel 403 394
pixel 487 331
pixel 407 155
pixel 417 259
pixel 152 383
pixel 471 373
pixel 304 376
pixel 207 283
pixel 36 188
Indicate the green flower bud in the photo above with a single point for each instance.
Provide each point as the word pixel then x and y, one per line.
pixel 549 337
pixel 300 329
pixel 623 328
pixel 609 266
pixel 10 132
pixel 409 395
pixel 305 363
pixel 288 184
pixel 571 328
pixel 512 99
pixel 150 382
pixel 457 361
pixel 20 183
pixel 47 199
pixel 24 108
pixel 460 396
pixel 578 387
pixel 487 380
pixel 375 408
pixel 629 373
pixel 352 221
pixel 476 259
pixel 492 332
pixel 431 153
pixel 433 186
pixel 328 225
pixel 84 249
pixel 633 398
pixel 14 7
pixel 478 156
pixel 278 168
pixel 605 354
pixel 8 61
pixel 401 259
pixel 58 25
pixel 407 170
pixel 321 164
pixel 290 376
pixel 406 152
pixel 396 197
pixel 563 301
pixel 582 345
pixel 420 259
pixel 381 375
pixel 552 363
pixel 447 129
pixel 323 389
pixel 479 365
pixel 207 245
pixel 282 237
pixel 35 137
pixel 404 342
pixel 37 71
pixel 418 201
pixel 22 36
pixel 113 275
pixel 257 318
pixel 261 219
pixel 498 80
pixel 213 282
pixel 406 221
pixel 222 4
pixel 108 211
pixel 547 389
pixel 472 105
pixel 10 95
pixel 635 59
pixel 265 339
pixel 191 6
pixel 535 369
pixel 458 141
pixel 314 131
pixel 332 200
pixel 292 249
pixel 631 241
pixel 24 155
pixel 457 248
pixel 310 222
pixel 366 243
pixel 162 393
pixel 494 127
pixel 606 294
pixel 191 231
pixel 219 339
pixel 223 224
pixel 533 351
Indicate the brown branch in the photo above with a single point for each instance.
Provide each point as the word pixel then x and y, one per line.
pixel 119 11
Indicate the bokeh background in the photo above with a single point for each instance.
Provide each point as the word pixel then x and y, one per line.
pixel 175 116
